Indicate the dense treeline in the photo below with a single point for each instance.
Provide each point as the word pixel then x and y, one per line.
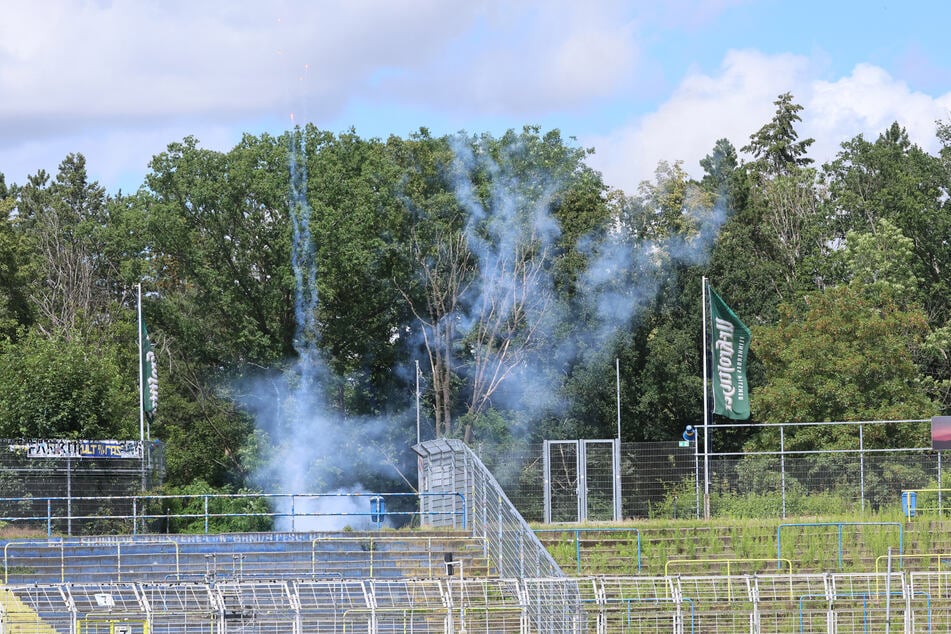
pixel 293 284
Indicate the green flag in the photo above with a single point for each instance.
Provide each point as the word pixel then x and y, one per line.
pixel 149 373
pixel 729 344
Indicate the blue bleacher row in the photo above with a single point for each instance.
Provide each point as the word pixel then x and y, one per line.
pixel 173 558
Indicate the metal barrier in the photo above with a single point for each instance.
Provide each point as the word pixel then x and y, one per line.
pixel 430 554
pixel 839 526
pixel 450 465
pixel 596 531
pixel 131 514
pixel 833 603
pixel 924 502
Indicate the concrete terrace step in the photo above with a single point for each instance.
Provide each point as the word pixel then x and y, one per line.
pixel 240 556
pixel 18 618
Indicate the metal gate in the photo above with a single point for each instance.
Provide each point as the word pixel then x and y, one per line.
pixel 582 480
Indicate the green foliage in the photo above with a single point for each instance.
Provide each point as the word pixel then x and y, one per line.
pixel 776 146
pixel 841 271
pixel 193 508
pixel 57 388
pixel 841 354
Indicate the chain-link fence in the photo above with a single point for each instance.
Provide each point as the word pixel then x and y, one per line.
pixel 75 481
pixel 784 477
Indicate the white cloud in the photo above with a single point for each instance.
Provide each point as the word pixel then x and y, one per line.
pixel 867 102
pixel 528 58
pixel 733 104
pixel 738 100
pixel 139 59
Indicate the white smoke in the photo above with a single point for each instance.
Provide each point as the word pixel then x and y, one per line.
pixel 622 277
pixel 308 447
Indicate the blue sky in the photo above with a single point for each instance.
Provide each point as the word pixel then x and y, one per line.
pixel 640 82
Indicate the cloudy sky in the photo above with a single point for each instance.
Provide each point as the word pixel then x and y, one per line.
pixel 638 80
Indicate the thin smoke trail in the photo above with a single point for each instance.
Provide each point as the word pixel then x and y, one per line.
pixel 303 256
pixel 308 449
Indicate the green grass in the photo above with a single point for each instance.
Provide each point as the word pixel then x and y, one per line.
pixel 610 549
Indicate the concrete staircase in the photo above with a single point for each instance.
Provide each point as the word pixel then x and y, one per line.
pixel 17 618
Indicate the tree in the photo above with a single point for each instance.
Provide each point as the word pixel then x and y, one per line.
pixel 767 250
pixel 895 180
pixel 844 353
pixel 220 252
pixel 794 227
pixel 62 222
pixel 439 253
pixel 359 228
pixel 719 169
pixel 15 308
pixel 488 243
pixel 54 388
pixel 776 147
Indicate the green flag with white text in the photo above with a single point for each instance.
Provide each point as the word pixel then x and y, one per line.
pixel 729 345
pixel 149 373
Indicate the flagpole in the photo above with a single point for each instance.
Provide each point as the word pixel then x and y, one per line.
pixel 706 415
pixel 141 389
pixel 418 438
pixel 618 511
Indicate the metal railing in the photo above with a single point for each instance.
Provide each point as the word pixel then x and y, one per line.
pixel 787 478
pixel 839 530
pixel 451 466
pixel 154 558
pixel 835 603
pixel 134 514
pixel 602 535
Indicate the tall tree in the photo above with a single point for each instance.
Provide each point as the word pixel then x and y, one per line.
pixel 849 352
pixel 15 308
pixel 896 180
pixel 776 147
pixel 359 228
pixel 766 250
pixel 63 221
pixel 221 250
pixel 488 244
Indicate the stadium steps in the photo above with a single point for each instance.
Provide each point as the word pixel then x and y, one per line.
pixel 242 557
pixel 18 618
pixel 749 547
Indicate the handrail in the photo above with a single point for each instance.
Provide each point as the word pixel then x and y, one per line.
pixel 161 541
pixel 628 601
pixel 578 531
pixel 840 525
pixel 137 514
pixel 41 542
pixel 901 562
pixel 370 540
pixel 728 562
pixel 907 509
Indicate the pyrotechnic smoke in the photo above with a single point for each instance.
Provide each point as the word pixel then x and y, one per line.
pixel 622 276
pixel 512 233
pixel 307 447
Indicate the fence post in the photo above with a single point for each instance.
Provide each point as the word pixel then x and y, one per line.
pixel 782 465
pixel 862 465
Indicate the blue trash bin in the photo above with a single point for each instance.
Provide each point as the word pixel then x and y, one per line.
pixel 909 503
pixel 377 509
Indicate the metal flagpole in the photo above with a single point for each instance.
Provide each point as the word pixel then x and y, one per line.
pixel 706 416
pixel 617 370
pixel 617 446
pixel 417 403
pixel 141 390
